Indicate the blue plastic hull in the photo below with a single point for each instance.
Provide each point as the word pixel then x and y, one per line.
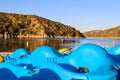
pixel 46 63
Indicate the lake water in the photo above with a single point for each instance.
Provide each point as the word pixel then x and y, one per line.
pixel 9 45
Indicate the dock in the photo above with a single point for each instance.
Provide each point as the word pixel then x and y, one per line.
pixel 5 53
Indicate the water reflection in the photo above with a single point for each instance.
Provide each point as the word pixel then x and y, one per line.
pixel 31 43
pixel 9 45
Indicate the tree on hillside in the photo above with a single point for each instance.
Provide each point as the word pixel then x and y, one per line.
pixel 13 30
pixel 4 29
pixel 78 34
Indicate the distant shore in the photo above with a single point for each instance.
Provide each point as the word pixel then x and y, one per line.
pixel 105 37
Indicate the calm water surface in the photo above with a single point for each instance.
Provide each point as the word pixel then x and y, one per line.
pixel 9 45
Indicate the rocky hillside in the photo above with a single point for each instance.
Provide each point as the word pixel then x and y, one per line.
pixel 112 32
pixel 14 25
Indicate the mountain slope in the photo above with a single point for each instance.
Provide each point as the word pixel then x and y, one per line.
pixel 112 32
pixel 31 25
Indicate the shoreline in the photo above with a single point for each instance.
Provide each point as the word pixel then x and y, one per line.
pixel 43 37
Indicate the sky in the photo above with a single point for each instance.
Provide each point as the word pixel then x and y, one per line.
pixel 84 15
